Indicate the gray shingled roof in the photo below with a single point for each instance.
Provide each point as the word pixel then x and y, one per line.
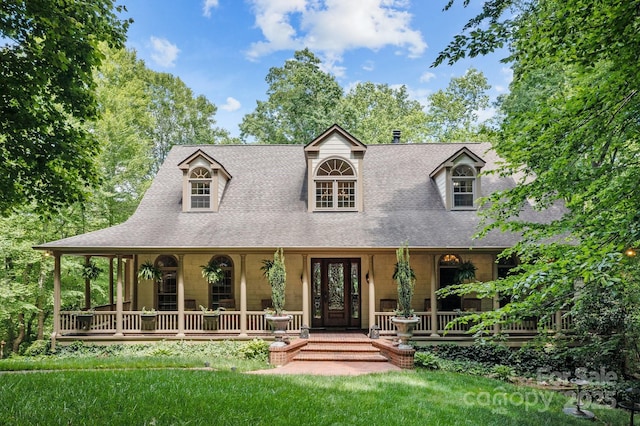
pixel 264 205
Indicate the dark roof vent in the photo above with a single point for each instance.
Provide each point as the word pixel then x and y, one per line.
pixel 396 136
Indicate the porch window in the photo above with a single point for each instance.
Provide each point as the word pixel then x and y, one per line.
pixel 221 293
pixel 200 183
pixel 335 184
pixel 463 180
pixel 166 294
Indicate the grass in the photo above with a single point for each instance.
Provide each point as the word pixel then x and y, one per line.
pixel 158 386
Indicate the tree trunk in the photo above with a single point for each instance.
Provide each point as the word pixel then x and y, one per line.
pixel 20 337
pixel 40 300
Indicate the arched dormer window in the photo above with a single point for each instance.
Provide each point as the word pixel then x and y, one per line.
pixel 463 179
pixel 200 184
pixel 335 185
pixel 203 182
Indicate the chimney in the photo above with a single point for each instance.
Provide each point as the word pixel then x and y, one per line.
pixel 396 136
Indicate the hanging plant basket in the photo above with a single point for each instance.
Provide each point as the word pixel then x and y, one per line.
pixel 466 272
pixel 148 271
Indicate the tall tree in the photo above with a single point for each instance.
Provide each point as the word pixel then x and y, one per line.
pixel 179 117
pixel 570 132
pixel 371 112
pixel 452 113
pixel 48 51
pixel 302 102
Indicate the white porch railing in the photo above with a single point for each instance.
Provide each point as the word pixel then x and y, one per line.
pixel 383 320
pixel 229 323
pixel 166 322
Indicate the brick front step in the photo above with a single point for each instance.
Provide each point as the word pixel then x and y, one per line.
pixel 340 348
pixel 336 356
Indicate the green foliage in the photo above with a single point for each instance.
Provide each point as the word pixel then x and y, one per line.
pixel 91 271
pixel 371 112
pixel 503 372
pixel 49 51
pixel 427 360
pixel 212 272
pixel 570 134
pixel 257 349
pixel 38 347
pixel 302 103
pixel 275 272
pixel 452 113
pixel 405 279
pixel 149 271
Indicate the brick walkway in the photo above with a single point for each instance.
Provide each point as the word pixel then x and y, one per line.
pixel 330 368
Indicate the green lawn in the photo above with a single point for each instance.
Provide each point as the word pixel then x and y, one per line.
pixel 224 397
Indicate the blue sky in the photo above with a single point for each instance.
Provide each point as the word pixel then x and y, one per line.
pixel 223 49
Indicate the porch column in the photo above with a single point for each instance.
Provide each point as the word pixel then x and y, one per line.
pixel 180 295
pixel 559 322
pixel 87 285
pixel 119 291
pixel 306 302
pixel 56 298
pixel 496 298
pixel 372 294
pixel 111 282
pixel 243 295
pixel 434 300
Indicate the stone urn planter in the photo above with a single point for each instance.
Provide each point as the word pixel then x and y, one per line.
pixel 148 319
pixel 210 321
pixel 279 325
pixel 405 327
pixel 83 320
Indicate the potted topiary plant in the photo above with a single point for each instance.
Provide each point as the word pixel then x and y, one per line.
pixel 405 321
pixel 275 272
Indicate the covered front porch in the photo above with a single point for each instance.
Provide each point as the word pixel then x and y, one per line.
pixel 325 290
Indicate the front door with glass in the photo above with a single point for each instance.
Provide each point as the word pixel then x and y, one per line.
pixel 336 292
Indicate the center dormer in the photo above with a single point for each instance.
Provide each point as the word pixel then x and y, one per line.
pixel 334 172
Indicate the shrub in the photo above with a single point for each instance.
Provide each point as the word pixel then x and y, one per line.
pixel 256 349
pixel 427 360
pixel 39 347
pixel 503 372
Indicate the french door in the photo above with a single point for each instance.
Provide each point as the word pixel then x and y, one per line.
pixel 336 293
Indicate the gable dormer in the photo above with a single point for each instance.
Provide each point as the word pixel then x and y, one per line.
pixel 458 180
pixel 334 172
pixel 203 183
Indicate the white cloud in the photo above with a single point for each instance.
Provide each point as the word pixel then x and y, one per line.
pixel 368 66
pixel 331 27
pixel 427 76
pixel 232 104
pixel 207 6
pixel 164 53
pixel 485 114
